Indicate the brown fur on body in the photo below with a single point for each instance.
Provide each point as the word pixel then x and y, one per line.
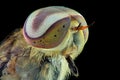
pixel 24 62
pixel 21 61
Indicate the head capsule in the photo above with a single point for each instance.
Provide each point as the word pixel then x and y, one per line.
pixel 47 27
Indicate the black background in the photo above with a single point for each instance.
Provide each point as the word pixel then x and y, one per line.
pixel 13 15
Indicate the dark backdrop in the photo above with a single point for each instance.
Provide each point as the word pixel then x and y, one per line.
pixel 13 15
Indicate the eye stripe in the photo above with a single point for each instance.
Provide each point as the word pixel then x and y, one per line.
pixel 40 20
pixel 40 17
pixel 48 21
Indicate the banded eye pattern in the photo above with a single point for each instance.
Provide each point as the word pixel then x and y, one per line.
pixel 47 27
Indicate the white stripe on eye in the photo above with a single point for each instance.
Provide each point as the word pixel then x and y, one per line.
pixel 48 21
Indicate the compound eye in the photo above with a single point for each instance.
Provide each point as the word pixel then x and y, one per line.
pixel 46 27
